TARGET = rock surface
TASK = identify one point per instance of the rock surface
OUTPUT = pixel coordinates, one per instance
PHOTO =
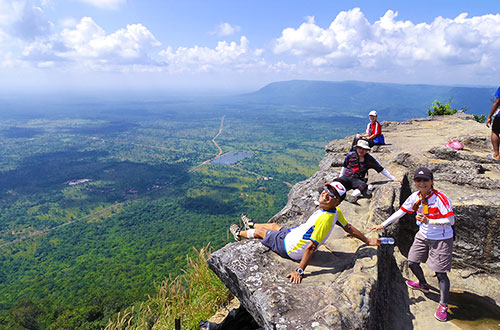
(349, 285)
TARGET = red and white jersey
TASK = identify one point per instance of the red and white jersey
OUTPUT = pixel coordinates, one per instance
(440, 215)
(374, 128)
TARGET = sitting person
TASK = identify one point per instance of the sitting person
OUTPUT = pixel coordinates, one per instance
(299, 243)
(373, 133)
(356, 165)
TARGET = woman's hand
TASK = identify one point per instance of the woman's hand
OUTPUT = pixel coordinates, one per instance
(422, 218)
(377, 227)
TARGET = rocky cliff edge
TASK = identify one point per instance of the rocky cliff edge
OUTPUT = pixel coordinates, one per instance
(349, 285)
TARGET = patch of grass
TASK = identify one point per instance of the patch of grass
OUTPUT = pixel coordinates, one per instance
(193, 296)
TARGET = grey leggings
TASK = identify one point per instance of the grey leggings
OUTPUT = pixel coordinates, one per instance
(443, 281)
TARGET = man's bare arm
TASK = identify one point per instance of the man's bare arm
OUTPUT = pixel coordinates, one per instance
(294, 276)
(359, 235)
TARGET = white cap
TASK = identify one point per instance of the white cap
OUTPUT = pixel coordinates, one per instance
(339, 187)
(373, 113)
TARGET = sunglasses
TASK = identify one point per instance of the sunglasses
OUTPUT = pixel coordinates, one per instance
(330, 193)
(421, 180)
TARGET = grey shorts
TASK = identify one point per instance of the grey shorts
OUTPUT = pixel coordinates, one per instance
(437, 253)
(275, 240)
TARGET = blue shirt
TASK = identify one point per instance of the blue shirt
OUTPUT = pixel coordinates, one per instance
(497, 95)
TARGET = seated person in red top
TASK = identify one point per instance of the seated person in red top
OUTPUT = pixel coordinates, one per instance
(373, 132)
(356, 165)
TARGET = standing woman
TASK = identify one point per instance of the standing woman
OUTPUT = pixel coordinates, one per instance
(433, 242)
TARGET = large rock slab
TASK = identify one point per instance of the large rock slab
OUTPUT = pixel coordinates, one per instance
(350, 285)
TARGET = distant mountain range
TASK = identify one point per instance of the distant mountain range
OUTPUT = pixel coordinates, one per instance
(392, 101)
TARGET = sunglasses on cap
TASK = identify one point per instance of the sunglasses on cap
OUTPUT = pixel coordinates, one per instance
(421, 180)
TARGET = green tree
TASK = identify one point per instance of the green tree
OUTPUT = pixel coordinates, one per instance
(480, 119)
(25, 315)
(440, 109)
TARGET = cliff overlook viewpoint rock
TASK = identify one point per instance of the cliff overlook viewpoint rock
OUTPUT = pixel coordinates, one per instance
(349, 285)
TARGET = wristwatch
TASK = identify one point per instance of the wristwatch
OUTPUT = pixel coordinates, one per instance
(300, 271)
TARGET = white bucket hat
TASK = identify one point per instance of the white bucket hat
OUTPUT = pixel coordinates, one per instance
(363, 144)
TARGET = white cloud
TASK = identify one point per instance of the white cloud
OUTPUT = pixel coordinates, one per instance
(85, 46)
(447, 50)
(105, 4)
(88, 43)
(352, 42)
(226, 29)
(8, 60)
(23, 19)
(282, 66)
(225, 56)
(68, 22)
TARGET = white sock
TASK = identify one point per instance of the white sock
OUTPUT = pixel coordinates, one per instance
(370, 187)
(356, 193)
(250, 233)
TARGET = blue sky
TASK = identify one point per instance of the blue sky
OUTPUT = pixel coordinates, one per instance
(236, 45)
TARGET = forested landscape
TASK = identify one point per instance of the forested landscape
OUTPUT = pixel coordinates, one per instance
(98, 204)
(100, 201)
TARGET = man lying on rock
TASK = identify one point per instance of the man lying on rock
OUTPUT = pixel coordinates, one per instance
(353, 172)
(299, 243)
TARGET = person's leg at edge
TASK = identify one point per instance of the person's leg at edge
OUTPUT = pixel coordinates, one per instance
(444, 287)
(418, 272)
(495, 140)
(260, 230)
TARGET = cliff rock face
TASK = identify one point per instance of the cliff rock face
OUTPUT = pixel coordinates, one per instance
(349, 285)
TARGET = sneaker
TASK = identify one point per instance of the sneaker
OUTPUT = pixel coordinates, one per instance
(416, 286)
(442, 313)
(368, 193)
(370, 188)
(352, 199)
(247, 222)
(235, 230)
